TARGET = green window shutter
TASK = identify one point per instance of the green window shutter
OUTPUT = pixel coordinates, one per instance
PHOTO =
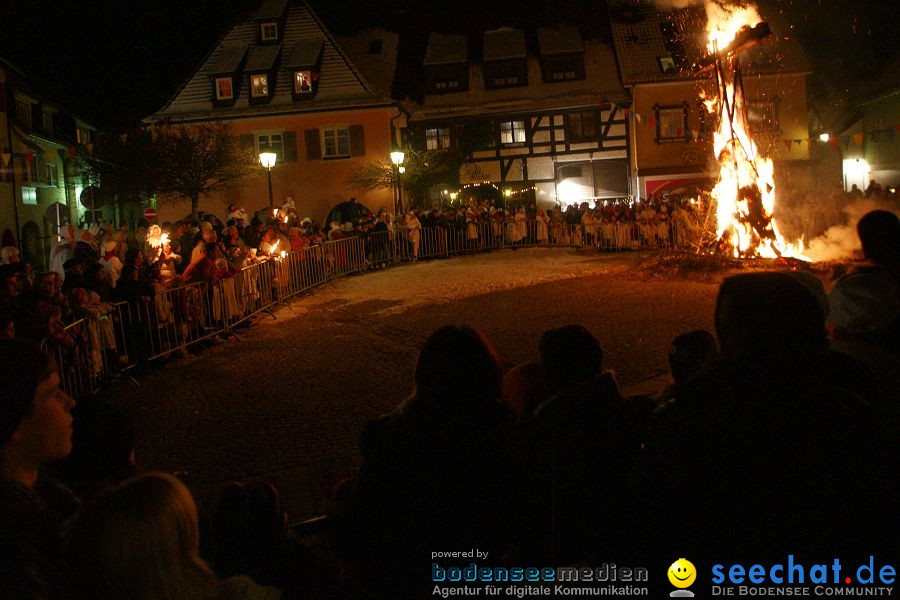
(357, 141)
(313, 147)
(290, 146)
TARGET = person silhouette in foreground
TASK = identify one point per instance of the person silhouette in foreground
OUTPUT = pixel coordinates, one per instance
(577, 453)
(35, 428)
(775, 442)
(434, 471)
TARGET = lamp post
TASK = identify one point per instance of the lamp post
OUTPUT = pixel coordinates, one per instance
(267, 160)
(397, 157)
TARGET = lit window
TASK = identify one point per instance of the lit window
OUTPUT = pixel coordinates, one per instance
(84, 135)
(223, 88)
(270, 142)
(23, 112)
(259, 85)
(446, 85)
(437, 139)
(302, 82)
(670, 122)
(503, 81)
(336, 142)
(512, 132)
(268, 32)
(29, 196)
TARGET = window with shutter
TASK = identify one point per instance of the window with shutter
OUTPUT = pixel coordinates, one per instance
(289, 140)
(357, 141)
(313, 145)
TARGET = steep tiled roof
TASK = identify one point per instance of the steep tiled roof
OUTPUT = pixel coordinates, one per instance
(229, 59)
(601, 83)
(270, 9)
(563, 39)
(639, 39)
(340, 83)
(445, 49)
(501, 44)
(374, 52)
(262, 58)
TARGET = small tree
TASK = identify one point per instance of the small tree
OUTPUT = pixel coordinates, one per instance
(192, 160)
(423, 169)
(125, 166)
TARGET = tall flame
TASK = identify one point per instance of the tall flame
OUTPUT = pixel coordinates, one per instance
(745, 192)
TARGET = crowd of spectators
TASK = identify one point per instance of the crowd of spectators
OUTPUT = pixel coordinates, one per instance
(776, 437)
(92, 269)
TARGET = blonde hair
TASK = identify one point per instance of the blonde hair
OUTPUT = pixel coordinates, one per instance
(140, 541)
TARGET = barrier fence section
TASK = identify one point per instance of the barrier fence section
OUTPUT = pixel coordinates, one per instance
(97, 348)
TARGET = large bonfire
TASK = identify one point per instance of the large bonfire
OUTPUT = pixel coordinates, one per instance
(745, 192)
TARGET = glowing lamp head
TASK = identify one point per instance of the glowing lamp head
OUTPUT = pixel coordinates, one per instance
(397, 157)
(267, 159)
(824, 137)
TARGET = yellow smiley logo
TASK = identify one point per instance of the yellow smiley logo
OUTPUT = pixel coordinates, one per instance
(682, 573)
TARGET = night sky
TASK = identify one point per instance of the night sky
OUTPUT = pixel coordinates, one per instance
(116, 61)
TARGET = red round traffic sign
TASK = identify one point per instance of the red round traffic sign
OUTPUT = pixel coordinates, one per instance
(150, 214)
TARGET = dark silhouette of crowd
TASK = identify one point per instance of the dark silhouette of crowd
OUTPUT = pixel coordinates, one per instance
(776, 437)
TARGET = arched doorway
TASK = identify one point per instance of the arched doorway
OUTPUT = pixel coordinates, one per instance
(346, 211)
(32, 246)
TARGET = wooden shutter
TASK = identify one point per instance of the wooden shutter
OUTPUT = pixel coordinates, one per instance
(289, 139)
(357, 141)
(313, 146)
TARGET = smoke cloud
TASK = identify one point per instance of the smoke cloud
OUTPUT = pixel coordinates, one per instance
(841, 241)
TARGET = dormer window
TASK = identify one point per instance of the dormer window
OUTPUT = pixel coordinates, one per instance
(270, 18)
(259, 86)
(505, 58)
(224, 88)
(304, 62)
(562, 53)
(268, 32)
(224, 74)
(446, 63)
(303, 82)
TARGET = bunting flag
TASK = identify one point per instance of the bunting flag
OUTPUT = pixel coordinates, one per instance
(799, 142)
(679, 132)
(29, 156)
(71, 151)
(652, 122)
(51, 155)
(833, 142)
(787, 144)
(6, 159)
(61, 153)
(858, 139)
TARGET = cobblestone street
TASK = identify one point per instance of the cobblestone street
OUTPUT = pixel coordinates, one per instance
(286, 400)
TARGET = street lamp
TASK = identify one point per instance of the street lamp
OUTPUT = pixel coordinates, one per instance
(397, 157)
(267, 160)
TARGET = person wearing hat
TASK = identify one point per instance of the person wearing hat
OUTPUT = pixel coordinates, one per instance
(74, 277)
(35, 428)
(111, 262)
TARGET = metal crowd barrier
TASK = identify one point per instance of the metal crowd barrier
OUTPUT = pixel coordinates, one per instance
(136, 332)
